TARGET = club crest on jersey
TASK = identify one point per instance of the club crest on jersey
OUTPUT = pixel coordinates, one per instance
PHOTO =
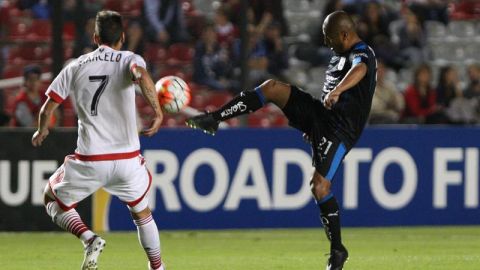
(341, 63)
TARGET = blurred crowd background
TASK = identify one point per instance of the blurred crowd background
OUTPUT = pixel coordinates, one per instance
(427, 50)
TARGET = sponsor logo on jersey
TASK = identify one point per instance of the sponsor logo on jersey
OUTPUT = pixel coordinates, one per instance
(341, 63)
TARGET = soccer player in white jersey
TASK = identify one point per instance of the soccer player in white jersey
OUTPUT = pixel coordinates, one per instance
(108, 147)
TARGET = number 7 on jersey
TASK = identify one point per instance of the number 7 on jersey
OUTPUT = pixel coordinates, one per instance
(103, 79)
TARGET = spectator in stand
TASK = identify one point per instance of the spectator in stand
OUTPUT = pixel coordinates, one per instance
(69, 10)
(4, 117)
(464, 10)
(226, 31)
(267, 11)
(134, 40)
(257, 60)
(411, 39)
(276, 53)
(166, 21)
(387, 103)
(212, 66)
(86, 43)
(420, 99)
(315, 52)
(232, 9)
(473, 87)
(430, 10)
(448, 87)
(40, 8)
(465, 110)
(29, 100)
(373, 28)
(457, 109)
(373, 24)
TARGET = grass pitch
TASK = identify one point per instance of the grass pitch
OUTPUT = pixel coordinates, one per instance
(424, 248)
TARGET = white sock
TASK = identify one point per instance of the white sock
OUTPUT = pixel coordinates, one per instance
(149, 239)
(69, 221)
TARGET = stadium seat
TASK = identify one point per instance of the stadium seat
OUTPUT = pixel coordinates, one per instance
(9, 94)
(17, 31)
(317, 75)
(40, 30)
(155, 53)
(435, 30)
(69, 31)
(28, 53)
(200, 96)
(217, 99)
(11, 71)
(174, 120)
(127, 8)
(462, 29)
(179, 54)
(173, 71)
(258, 120)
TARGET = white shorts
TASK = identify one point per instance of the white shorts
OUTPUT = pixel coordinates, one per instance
(128, 179)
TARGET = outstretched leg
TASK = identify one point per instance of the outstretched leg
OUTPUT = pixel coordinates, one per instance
(246, 102)
(148, 236)
(69, 220)
(330, 217)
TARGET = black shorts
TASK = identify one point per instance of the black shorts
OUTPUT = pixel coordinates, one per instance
(307, 114)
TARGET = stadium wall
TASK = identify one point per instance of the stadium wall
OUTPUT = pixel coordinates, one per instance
(259, 178)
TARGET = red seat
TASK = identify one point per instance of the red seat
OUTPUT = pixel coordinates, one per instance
(258, 120)
(155, 53)
(28, 53)
(40, 29)
(36, 30)
(173, 72)
(180, 53)
(68, 30)
(126, 7)
(218, 99)
(12, 71)
(17, 31)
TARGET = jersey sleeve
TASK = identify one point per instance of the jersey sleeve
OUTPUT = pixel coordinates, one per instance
(359, 56)
(59, 89)
(136, 60)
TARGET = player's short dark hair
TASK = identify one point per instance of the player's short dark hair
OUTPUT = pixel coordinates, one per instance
(108, 26)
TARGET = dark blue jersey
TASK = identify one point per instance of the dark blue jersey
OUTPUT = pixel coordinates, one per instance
(350, 114)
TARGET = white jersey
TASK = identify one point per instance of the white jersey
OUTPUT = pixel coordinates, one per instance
(103, 90)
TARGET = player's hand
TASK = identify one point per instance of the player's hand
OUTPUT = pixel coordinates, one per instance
(39, 136)
(154, 127)
(331, 99)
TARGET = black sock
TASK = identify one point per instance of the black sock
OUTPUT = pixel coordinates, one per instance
(245, 102)
(330, 217)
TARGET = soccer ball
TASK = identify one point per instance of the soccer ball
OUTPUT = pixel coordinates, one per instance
(173, 93)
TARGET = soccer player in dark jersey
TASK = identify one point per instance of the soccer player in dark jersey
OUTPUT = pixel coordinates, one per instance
(332, 123)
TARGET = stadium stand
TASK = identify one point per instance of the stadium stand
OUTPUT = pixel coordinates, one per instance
(453, 41)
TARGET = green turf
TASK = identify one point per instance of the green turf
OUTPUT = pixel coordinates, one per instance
(419, 248)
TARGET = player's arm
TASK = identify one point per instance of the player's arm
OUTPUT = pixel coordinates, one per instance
(148, 90)
(44, 116)
(352, 78)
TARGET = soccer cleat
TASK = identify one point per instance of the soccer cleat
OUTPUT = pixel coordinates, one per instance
(162, 267)
(337, 259)
(92, 251)
(204, 122)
